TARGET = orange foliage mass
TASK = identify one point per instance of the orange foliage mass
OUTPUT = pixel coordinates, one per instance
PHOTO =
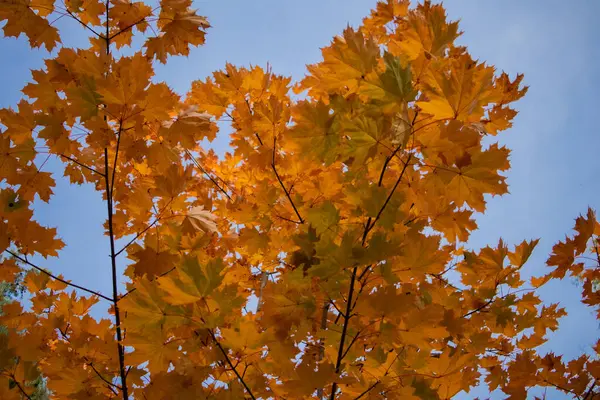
(311, 260)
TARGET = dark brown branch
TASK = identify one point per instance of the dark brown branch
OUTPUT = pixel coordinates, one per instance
(82, 23)
(387, 200)
(240, 378)
(400, 146)
(288, 219)
(109, 383)
(140, 233)
(106, 37)
(367, 391)
(362, 274)
(562, 388)
(113, 258)
(385, 164)
(351, 343)
(287, 193)
(114, 171)
(321, 354)
(159, 276)
(18, 257)
(490, 301)
(368, 227)
(336, 308)
(81, 165)
(20, 387)
(128, 27)
(346, 317)
(207, 174)
(590, 391)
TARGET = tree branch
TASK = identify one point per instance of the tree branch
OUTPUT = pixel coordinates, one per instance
(321, 354)
(351, 343)
(82, 23)
(370, 225)
(81, 165)
(212, 334)
(109, 383)
(109, 209)
(562, 388)
(159, 276)
(346, 317)
(114, 171)
(146, 229)
(128, 27)
(20, 387)
(281, 182)
(263, 282)
(23, 260)
(590, 391)
(490, 301)
(367, 391)
(207, 174)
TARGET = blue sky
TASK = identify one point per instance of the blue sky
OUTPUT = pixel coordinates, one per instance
(555, 139)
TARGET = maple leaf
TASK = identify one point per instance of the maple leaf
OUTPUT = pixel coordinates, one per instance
(21, 17)
(150, 262)
(476, 174)
(192, 281)
(458, 88)
(180, 28)
(199, 220)
(345, 62)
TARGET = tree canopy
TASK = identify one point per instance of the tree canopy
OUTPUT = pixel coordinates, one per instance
(323, 256)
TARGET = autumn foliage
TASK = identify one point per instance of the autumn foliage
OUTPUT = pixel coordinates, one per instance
(321, 257)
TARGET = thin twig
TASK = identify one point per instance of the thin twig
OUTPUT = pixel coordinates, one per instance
(351, 343)
(109, 383)
(128, 27)
(207, 174)
(281, 182)
(114, 171)
(490, 301)
(240, 378)
(287, 219)
(590, 391)
(18, 257)
(140, 233)
(20, 387)
(134, 289)
(562, 388)
(370, 226)
(82, 23)
(367, 391)
(81, 165)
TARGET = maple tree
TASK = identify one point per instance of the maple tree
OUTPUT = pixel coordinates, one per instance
(312, 260)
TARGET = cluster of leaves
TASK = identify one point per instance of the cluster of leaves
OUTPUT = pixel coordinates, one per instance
(313, 259)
